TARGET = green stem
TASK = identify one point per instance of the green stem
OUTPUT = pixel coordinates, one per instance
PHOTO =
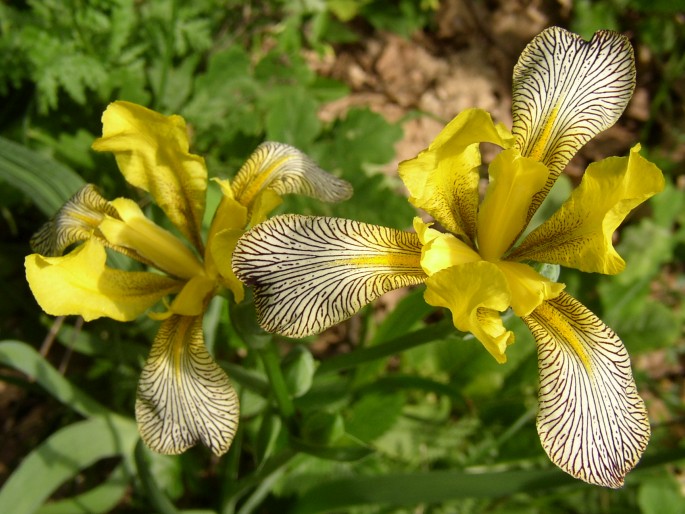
(272, 366)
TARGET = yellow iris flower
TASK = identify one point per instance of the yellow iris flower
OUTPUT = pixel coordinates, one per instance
(309, 273)
(183, 395)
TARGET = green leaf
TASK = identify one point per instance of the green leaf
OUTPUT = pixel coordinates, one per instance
(62, 456)
(24, 358)
(298, 370)
(660, 496)
(373, 415)
(100, 499)
(47, 182)
(292, 117)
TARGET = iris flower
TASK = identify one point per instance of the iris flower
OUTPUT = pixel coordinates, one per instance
(309, 273)
(183, 395)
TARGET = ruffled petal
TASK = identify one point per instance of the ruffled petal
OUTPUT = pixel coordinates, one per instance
(579, 235)
(153, 244)
(310, 273)
(80, 283)
(565, 92)
(476, 293)
(504, 212)
(283, 169)
(591, 421)
(441, 250)
(77, 220)
(443, 179)
(184, 397)
(152, 153)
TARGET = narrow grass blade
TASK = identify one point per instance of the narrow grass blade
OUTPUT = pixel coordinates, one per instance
(44, 180)
(62, 456)
(24, 358)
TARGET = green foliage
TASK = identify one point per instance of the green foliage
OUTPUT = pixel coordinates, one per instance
(400, 414)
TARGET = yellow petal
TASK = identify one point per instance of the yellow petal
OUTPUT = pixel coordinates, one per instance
(441, 250)
(528, 288)
(154, 244)
(476, 293)
(565, 92)
(504, 212)
(193, 298)
(579, 234)
(283, 169)
(184, 397)
(152, 153)
(443, 179)
(591, 421)
(77, 220)
(310, 273)
(221, 248)
(80, 283)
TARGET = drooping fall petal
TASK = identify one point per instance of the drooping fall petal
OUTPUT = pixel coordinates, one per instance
(443, 179)
(80, 283)
(77, 220)
(309, 273)
(591, 421)
(184, 397)
(152, 153)
(579, 235)
(476, 293)
(283, 169)
(565, 92)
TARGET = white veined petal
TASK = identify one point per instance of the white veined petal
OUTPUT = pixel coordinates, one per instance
(285, 170)
(310, 273)
(184, 397)
(566, 91)
(591, 421)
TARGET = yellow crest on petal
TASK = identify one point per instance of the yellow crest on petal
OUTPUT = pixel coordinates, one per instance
(565, 92)
(184, 397)
(152, 153)
(81, 283)
(282, 169)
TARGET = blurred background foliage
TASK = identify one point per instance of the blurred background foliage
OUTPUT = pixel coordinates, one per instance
(393, 411)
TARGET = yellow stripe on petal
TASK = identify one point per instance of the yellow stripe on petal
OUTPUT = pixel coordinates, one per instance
(80, 283)
(77, 220)
(184, 397)
(284, 169)
(152, 153)
(565, 92)
(476, 293)
(310, 273)
(579, 235)
(503, 214)
(443, 179)
(591, 421)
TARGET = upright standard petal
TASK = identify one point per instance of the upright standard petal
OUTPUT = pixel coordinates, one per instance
(476, 293)
(591, 421)
(77, 220)
(503, 214)
(579, 235)
(283, 169)
(152, 153)
(443, 179)
(80, 283)
(310, 273)
(565, 92)
(184, 397)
